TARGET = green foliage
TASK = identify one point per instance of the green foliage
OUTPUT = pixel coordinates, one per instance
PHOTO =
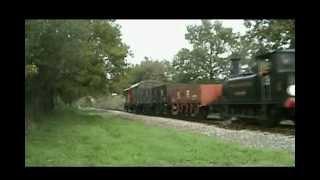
(148, 69)
(266, 35)
(98, 139)
(207, 60)
(73, 58)
(31, 70)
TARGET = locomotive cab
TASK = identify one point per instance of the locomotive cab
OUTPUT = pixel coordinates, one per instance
(278, 80)
(281, 69)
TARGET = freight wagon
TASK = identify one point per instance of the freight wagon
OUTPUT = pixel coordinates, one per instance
(139, 97)
(172, 99)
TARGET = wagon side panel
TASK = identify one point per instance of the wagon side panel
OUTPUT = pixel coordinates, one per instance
(210, 93)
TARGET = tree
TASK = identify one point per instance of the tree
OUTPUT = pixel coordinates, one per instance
(73, 58)
(207, 60)
(154, 69)
(264, 36)
(148, 69)
(267, 35)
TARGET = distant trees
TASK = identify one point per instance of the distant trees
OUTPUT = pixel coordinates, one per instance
(68, 59)
(148, 69)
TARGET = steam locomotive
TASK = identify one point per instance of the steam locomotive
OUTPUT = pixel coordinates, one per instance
(266, 94)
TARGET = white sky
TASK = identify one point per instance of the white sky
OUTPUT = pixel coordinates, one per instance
(161, 39)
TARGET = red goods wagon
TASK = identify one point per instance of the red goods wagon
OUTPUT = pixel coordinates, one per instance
(209, 93)
(183, 93)
(203, 94)
(189, 99)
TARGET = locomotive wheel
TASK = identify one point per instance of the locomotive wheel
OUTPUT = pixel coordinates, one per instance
(267, 122)
(224, 113)
(224, 116)
(270, 118)
(203, 113)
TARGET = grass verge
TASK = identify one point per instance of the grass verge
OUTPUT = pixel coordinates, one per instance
(74, 138)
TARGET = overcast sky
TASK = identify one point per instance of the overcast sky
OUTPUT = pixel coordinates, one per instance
(161, 39)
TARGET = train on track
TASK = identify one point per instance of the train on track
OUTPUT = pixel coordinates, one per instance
(266, 94)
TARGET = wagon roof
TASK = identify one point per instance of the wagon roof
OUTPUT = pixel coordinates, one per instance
(146, 83)
(132, 86)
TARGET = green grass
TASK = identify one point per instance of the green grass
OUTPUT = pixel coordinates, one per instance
(71, 138)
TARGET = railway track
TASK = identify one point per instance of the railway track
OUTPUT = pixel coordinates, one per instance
(242, 124)
(250, 125)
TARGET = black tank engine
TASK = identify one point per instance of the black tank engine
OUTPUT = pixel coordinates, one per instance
(266, 94)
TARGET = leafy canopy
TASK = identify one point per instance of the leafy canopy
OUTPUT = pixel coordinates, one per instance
(72, 58)
(207, 60)
(267, 35)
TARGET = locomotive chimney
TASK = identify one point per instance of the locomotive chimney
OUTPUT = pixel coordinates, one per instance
(235, 66)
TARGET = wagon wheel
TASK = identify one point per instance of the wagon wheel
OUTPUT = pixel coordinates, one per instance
(166, 110)
(174, 109)
(158, 109)
(194, 110)
(161, 109)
